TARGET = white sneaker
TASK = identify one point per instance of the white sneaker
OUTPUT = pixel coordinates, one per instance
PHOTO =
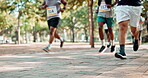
(46, 49)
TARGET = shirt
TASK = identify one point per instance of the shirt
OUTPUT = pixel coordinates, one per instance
(53, 5)
(130, 2)
(105, 14)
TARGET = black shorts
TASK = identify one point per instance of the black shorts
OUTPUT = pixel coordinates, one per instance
(106, 30)
(54, 22)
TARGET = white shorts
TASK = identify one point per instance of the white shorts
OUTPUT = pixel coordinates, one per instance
(131, 13)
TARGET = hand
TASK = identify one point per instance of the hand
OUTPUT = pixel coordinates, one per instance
(109, 6)
(61, 10)
(96, 11)
(44, 6)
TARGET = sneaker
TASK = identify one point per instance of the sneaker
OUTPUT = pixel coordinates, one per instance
(108, 45)
(61, 45)
(46, 49)
(102, 49)
(135, 45)
(118, 55)
(113, 48)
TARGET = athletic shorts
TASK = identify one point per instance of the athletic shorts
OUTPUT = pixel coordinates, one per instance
(54, 22)
(108, 21)
(131, 13)
(106, 30)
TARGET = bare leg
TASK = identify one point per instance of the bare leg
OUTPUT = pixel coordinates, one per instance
(122, 38)
(108, 36)
(103, 48)
(101, 30)
(56, 35)
(122, 32)
(111, 35)
(135, 32)
(52, 33)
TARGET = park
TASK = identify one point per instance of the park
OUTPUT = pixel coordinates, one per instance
(24, 32)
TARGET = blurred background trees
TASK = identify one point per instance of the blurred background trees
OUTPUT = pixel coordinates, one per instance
(23, 21)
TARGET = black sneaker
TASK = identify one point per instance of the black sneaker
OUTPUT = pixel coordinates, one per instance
(102, 49)
(118, 55)
(135, 45)
(61, 45)
(113, 48)
(108, 45)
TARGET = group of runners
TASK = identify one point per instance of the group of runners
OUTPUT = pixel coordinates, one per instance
(127, 12)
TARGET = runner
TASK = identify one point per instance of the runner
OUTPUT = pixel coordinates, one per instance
(140, 28)
(105, 16)
(128, 12)
(53, 19)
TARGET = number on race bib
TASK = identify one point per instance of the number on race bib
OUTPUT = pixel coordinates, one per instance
(51, 11)
(103, 7)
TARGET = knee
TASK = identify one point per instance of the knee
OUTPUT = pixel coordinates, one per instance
(110, 29)
(123, 28)
(100, 27)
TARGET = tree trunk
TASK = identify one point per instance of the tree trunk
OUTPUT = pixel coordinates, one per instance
(73, 35)
(34, 35)
(91, 22)
(86, 36)
(18, 29)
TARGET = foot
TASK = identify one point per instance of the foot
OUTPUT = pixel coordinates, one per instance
(113, 48)
(121, 56)
(61, 45)
(102, 49)
(135, 45)
(46, 49)
(108, 45)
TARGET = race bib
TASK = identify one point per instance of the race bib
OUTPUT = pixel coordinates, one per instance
(103, 7)
(51, 11)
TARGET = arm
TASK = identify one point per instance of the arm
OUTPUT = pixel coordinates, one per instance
(97, 10)
(65, 5)
(44, 5)
(109, 6)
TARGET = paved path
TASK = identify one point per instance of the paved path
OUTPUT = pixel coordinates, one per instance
(80, 62)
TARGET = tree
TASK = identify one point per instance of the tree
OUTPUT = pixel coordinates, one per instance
(90, 14)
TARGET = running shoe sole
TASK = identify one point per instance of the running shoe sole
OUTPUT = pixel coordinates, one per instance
(46, 50)
(120, 56)
(102, 50)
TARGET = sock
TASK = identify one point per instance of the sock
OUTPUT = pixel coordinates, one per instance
(49, 45)
(112, 42)
(108, 43)
(61, 39)
(122, 49)
(136, 41)
(103, 42)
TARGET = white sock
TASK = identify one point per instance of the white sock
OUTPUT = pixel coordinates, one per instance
(61, 39)
(108, 43)
(112, 42)
(49, 45)
(103, 42)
